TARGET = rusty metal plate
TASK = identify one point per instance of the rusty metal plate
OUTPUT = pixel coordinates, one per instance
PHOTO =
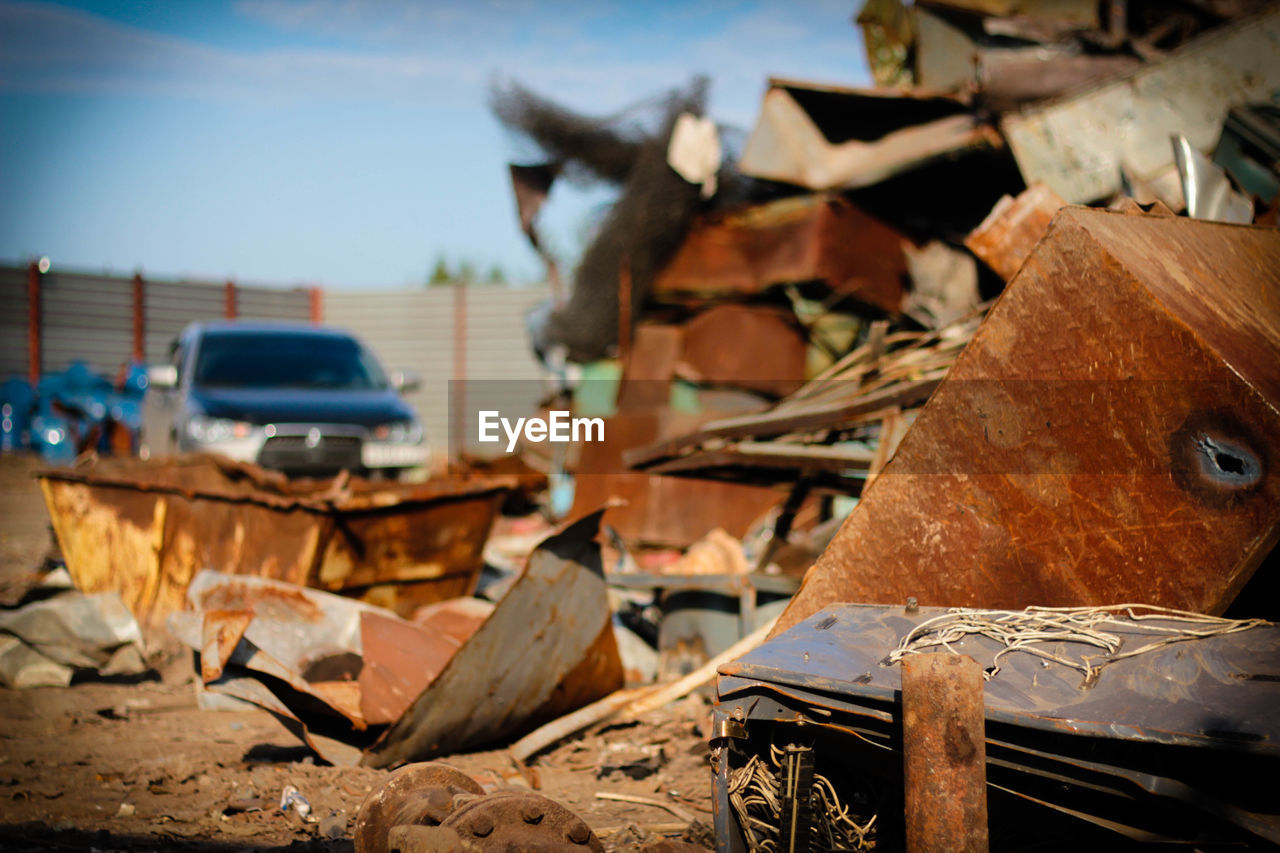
(774, 363)
(1109, 434)
(668, 511)
(221, 633)
(402, 658)
(546, 648)
(811, 238)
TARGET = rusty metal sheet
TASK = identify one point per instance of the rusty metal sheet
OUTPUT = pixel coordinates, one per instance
(774, 364)
(146, 528)
(669, 511)
(308, 639)
(810, 238)
(1109, 434)
(649, 367)
(221, 632)
(1083, 147)
(1012, 229)
(409, 554)
(401, 658)
(548, 644)
(335, 750)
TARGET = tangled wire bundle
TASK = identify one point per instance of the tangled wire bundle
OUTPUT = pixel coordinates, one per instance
(1100, 627)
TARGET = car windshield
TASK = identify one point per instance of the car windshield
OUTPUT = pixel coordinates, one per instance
(285, 360)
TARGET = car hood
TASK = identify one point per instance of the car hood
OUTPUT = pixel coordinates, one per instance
(301, 405)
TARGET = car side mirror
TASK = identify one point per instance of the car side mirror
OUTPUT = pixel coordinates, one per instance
(405, 381)
(162, 376)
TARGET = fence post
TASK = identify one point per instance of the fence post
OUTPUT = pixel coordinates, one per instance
(139, 318)
(229, 300)
(317, 305)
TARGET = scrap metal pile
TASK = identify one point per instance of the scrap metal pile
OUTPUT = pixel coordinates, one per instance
(1051, 429)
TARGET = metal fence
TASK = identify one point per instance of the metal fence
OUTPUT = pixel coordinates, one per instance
(107, 321)
(444, 334)
(448, 334)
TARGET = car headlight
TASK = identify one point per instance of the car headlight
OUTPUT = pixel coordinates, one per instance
(399, 432)
(207, 430)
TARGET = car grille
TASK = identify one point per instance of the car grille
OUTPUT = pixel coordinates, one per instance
(291, 454)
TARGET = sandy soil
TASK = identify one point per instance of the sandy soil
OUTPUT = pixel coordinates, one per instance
(138, 766)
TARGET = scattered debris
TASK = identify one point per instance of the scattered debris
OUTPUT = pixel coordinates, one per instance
(546, 648)
(810, 376)
(46, 642)
(292, 800)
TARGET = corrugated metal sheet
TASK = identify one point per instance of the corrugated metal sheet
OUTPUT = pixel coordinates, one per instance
(171, 305)
(13, 322)
(260, 303)
(414, 330)
(409, 330)
(89, 318)
(502, 373)
(86, 318)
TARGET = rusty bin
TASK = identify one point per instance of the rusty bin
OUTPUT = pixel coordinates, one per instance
(145, 528)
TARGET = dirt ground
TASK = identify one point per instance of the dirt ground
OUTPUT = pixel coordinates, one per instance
(138, 766)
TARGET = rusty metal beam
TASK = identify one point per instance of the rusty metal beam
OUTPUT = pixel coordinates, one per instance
(1110, 434)
(944, 754)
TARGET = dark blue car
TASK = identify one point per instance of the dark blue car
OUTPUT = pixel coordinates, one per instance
(306, 400)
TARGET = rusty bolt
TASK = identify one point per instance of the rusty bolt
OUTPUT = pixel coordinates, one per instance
(531, 812)
(579, 832)
(481, 825)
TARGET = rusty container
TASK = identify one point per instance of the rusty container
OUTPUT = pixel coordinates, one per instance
(144, 529)
(1110, 434)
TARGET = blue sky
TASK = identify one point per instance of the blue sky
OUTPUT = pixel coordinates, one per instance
(345, 143)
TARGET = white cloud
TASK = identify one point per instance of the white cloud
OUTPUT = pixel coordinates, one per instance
(441, 54)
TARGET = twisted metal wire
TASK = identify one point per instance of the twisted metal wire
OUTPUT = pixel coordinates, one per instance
(1101, 627)
(755, 795)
